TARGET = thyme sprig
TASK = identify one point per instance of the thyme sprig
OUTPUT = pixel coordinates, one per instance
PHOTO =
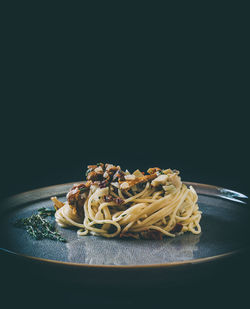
(38, 227)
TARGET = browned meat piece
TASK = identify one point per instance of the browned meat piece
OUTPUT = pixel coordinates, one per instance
(153, 170)
(152, 234)
(110, 171)
(107, 173)
(177, 228)
(102, 184)
(94, 176)
(129, 235)
(91, 167)
(110, 198)
(77, 195)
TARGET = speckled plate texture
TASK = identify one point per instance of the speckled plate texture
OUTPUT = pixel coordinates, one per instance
(224, 223)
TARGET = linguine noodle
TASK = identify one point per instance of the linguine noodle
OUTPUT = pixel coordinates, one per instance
(130, 205)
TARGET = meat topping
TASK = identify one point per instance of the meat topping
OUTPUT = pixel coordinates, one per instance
(103, 175)
(110, 198)
(129, 235)
(177, 228)
(152, 234)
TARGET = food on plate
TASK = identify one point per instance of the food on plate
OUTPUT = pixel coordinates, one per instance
(116, 203)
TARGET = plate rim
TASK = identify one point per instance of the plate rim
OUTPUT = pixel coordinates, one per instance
(215, 189)
(120, 267)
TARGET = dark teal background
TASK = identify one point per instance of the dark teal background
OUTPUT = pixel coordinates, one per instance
(137, 85)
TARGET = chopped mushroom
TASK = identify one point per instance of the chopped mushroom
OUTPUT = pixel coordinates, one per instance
(175, 180)
(98, 170)
(129, 177)
(130, 183)
(108, 166)
(160, 180)
(138, 173)
(57, 204)
(103, 175)
(124, 185)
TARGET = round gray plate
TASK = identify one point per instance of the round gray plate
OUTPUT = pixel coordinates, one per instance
(224, 223)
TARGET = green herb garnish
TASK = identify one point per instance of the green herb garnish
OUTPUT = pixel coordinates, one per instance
(38, 227)
(46, 212)
(82, 189)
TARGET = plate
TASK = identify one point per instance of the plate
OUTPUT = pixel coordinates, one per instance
(224, 223)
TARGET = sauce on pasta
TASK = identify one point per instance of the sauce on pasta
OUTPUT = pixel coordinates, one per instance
(115, 203)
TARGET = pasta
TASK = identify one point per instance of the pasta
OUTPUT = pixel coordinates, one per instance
(114, 203)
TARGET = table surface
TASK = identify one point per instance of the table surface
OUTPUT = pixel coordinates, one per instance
(225, 285)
